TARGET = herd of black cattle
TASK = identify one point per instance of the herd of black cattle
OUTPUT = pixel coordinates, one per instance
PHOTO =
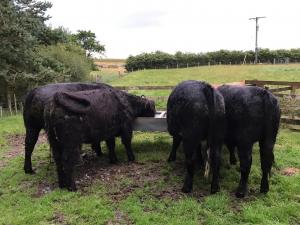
(77, 113)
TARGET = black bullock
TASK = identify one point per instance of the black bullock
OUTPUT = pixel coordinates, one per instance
(90, 116)
(253, 115)
(34, 106)
(196, 112)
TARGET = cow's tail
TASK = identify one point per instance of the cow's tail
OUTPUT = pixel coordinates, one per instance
(209, 93)
(211, 101)
(27, 105)
(271, 119)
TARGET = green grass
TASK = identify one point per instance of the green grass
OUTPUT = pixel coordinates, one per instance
(212, 74)
(105, 76)
(147, 192)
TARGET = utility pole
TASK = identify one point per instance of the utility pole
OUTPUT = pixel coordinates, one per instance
(256, 33)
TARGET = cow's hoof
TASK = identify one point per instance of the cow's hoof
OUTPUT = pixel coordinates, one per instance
(29, 171)
(73, 188)
(240, 193)
(171, 159)
(113, 161)
(62, 185)
(186, 189)
(264, 189)
(233, 161)
(215, 189)
(131, 159)
(99, 154)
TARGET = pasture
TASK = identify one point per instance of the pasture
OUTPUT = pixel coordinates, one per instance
(149, 190)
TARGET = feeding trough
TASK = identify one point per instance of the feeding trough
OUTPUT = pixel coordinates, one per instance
(151, 124)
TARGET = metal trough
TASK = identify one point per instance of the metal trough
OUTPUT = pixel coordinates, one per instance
(150, 124)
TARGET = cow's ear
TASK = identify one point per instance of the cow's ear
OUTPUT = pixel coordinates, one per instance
(72, 102)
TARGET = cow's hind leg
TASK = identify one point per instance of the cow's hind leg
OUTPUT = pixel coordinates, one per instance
(176, 142)
(232, 158)
(266, 160)
(245, 157)
(32, 135)
(215, 156)
(126, 137)
(111, 150)
(190, 148)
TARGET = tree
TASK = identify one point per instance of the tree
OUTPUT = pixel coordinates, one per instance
(87, 40)
(21, 22)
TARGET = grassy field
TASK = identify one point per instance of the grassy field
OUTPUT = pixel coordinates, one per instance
(145, 192)
(212, 74)
(148, 191)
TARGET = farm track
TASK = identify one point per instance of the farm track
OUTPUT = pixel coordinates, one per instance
(16, 147)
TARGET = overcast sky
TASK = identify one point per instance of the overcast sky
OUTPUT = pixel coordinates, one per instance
(134, 26)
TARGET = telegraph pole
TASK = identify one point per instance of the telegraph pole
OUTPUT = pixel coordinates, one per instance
(256, 33)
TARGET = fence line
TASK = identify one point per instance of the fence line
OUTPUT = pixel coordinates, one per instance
(198, 64)
(287, 86)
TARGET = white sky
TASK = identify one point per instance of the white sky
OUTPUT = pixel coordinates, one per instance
(135, 26)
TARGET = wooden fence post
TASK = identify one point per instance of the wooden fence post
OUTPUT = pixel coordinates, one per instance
(15, 103)
(293, 93)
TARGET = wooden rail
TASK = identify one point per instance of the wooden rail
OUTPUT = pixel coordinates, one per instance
(289, 86)
(127, 88)
(269, 82)
(288, 120)
(285, 86)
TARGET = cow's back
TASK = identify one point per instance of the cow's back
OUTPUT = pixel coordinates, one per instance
(37, 98)
(188, 109)
(106, 114)
(245, 111)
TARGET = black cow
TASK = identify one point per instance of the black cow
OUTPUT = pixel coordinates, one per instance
(34, 106)
(196, 112)
(252, 115)
(90, 116)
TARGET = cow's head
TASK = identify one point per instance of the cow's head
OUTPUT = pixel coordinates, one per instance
(147, 107)
(141, 106)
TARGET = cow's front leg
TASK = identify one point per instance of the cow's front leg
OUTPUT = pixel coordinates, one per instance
(111, 150)
(70, 157)
(69, 176)
(126, 137)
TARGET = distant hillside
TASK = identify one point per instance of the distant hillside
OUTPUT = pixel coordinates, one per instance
(212, 74)
(111, 63)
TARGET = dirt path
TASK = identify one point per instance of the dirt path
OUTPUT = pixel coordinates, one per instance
(16, 147)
